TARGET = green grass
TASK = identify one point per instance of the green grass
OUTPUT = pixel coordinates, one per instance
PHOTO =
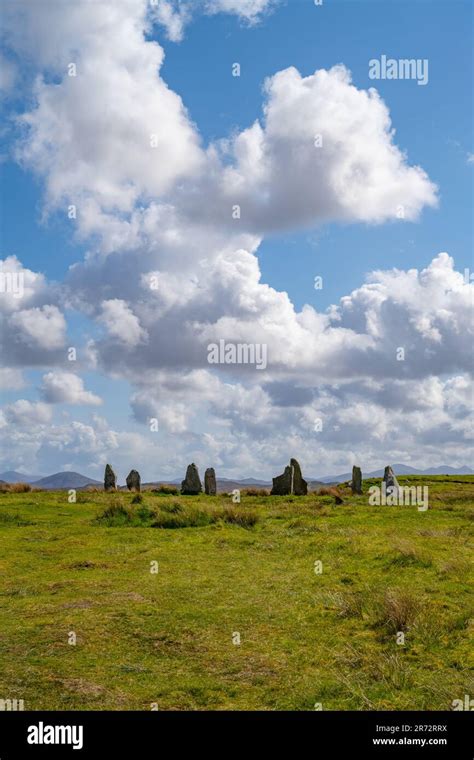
(167, 637)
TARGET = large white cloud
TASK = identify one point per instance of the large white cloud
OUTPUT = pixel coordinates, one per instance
(324, 151)
(67, 388)
(113, 131)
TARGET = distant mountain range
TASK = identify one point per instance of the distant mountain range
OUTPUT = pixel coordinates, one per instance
(66, 480)
(402, 469)
(12, 476)
(58, 481)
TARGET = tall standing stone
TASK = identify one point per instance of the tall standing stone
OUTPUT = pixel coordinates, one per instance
(299, 485)
(391, 483)
(191, 485)
(210, 486)
(290, 482)
(282, 484)
(356, 484)
(133, 481)
(110, 479)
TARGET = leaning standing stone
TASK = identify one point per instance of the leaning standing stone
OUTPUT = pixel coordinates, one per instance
(299, 485)
(356, 484)
(210, 482)
(391, 483)
(133, 480)
(110, 479)
(191, 485)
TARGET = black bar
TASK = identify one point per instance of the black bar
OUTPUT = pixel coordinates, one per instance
(151, 734)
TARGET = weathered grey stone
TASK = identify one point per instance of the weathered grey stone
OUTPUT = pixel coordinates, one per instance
(391, 483)
(356, 484)
(110, 479)
(299, 485)
(133, 480)
(191, 485)
(210, 486)
(291, 482)
(282, 484)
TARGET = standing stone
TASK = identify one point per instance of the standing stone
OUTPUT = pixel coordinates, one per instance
(110, 479)
(282, 484)
(291, 482)
(210, 486)
(299, 485)
(391, 483)
(133, 481)
(191, 485)
(356, 484)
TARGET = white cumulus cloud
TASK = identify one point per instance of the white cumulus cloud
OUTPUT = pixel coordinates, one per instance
(67, 388)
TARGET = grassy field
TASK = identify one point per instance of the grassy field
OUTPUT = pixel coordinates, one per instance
(167, 639)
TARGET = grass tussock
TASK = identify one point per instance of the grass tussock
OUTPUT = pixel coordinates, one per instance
(15, 488)
(195, 517)
(255, 492)
(246, 518)
(165, 490)
(348, 604)
(392, 670)
(192, 517)
(398, 610)
(119, 514)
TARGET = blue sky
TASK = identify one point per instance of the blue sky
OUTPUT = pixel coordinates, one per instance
(433, 130)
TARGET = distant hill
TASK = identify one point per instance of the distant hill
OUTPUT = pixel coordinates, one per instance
(65, 480)
(402, 469)
(315, 485)
(12, 476)
(253, 482)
